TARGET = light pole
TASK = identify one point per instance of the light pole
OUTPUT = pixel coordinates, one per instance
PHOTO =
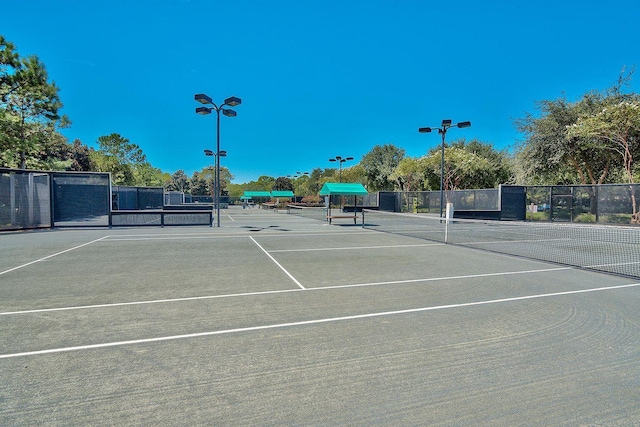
(295, 180)
(446, 124)
(231, 102)
(216, 171)
(340, 160)
(297, 175)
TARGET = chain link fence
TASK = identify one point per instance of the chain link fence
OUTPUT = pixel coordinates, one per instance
(603, 204)
(25, 200)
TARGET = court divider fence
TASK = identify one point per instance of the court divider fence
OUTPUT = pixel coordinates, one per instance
(44, 199)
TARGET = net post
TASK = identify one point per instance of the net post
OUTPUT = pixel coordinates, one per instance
(446, 231)
(448, 217)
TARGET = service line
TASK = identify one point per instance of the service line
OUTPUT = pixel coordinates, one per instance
(51, 256)
(349, 248)
(307, 322)
(282, 291)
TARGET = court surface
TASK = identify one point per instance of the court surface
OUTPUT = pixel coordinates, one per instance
(274, 319)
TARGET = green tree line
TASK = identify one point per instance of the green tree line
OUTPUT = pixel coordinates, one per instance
(592, 140)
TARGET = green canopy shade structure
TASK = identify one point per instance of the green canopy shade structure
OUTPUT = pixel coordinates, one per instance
(257, 194)
(343, 189)
(282, 194)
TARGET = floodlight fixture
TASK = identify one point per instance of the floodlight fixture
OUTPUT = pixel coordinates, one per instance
(446, 124)
(203, 111)
(233, 101)
(203, 99)
(340, 160)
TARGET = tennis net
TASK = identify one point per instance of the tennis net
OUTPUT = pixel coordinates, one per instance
(610, 249)
(319, 213)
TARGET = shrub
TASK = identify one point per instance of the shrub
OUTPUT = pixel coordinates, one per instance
(311, 200)
(585, 217)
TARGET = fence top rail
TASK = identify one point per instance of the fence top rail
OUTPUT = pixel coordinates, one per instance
(635, 184)
(160, 211)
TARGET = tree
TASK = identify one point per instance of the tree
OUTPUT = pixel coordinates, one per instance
(355, 173)
(301, 185)
(225, 179)
(410, 174)
(462, 169)
(379, 165)
(617, 129)
(199, 184)
(145, 175)
(81, 156)
(9, 63)
(235, 190)
(179, 181)
(497, 170)
(264, 183)
(29, 103)
(203, 183)
(126, 162)
(283, 184)
(116, 155)
(550, 155)
(56, 153)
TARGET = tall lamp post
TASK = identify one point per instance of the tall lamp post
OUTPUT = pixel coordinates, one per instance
(340, 160)
(294, 180)
(231, 102)
(442, 130)
(216, 181)
(298, 175)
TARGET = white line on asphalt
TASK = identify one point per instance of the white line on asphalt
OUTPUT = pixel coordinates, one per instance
(282, 291)
(357, 247)
(237, 235)
(51, 256)
(306, 322)
(277, 263)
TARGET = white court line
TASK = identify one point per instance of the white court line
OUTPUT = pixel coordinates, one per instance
(231, 218)
(51, 256)
(238, 234)
(357, 247)
(277, 263)
(282, 291)
(612, 264)
(176, 237)
(307, 322)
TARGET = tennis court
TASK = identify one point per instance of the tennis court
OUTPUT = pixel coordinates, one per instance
(277, 319)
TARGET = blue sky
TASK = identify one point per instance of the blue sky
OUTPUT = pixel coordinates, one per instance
(317, 78)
